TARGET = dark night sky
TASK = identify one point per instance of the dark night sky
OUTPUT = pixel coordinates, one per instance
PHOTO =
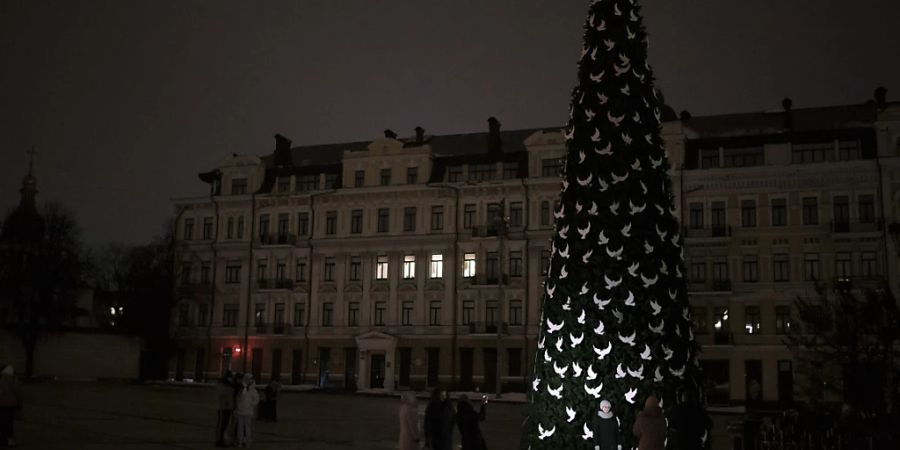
(126, 101)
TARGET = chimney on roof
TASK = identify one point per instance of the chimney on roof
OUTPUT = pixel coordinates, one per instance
(388, 133)
(495, 145)
(880, 96)
(787, 103)
(282, 151)
(420, 136)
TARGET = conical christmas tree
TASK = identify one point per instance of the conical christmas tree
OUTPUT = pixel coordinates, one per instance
(615, 320)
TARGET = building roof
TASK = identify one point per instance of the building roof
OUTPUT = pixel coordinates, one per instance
(773, 122)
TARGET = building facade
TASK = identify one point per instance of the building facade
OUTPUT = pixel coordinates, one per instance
(416, 262)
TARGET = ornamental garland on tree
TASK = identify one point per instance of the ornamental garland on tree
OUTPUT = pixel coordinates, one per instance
(615, 320)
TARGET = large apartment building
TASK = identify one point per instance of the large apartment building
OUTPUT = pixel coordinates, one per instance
(413, 262)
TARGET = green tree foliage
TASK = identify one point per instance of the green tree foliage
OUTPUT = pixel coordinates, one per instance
(615, 320)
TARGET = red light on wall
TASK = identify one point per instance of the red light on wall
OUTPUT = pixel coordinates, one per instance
(237, 349)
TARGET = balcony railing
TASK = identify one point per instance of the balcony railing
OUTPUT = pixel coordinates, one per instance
(275, 283)
(714, 231)
(278, 239)
(488, 328)
(847, 226)
(486, 280)
(487, 231)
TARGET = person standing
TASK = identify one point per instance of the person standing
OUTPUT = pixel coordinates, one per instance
(439, 421)
(273, 391)
(689, 422)
(467, 420)
(409, 421)
(246, 401)
(605, 426)
(650, 426)
(225, 398)
(10, 404)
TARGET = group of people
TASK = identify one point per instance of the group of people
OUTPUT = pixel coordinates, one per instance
(440, 419)
(237, 399)
(687, 421)
(10, 405)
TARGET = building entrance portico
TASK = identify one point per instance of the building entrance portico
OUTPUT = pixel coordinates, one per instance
(376, 360)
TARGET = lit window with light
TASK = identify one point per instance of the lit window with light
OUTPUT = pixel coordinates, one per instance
(437, 266)
(468, 265)
(409, 267)
(381, 267)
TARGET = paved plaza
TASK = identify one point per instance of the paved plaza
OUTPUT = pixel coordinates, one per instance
(94, 416)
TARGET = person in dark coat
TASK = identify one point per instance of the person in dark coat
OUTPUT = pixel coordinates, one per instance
(467, 421)
(605, 426)
(650, 426)
(439, 421)
(10, 405)
(225, 399)
(690, 423)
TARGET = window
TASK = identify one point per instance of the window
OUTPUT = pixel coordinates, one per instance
(406, 314)
(188, 229)
(811, 267)
(515, 312)
(494, 214)
(545, 213)
(207, 228)
(359, 178)
(279, 315)
(493, 267)
(381, 267)
(717, 217)
(409, 218)
(355, 268)
(436, 270)
(781, 268)
(203, 315)
(308, 183)
(841, 205)
(240, 227)
(782, 319)
(356, 221)
(866, 209)
(259, 314)
(698, 272)
(720, 271)
(205, 269)
(263, 225)
(184, 315)
(779, 212)
(701, 320)
(353, 314)
(229, 314)
(437, 218)
(385, 179)
(330, 180)
(744, 157)
(810, 211)
(695, 218)
(515, 214)
(434, 313)
(748, 213)
(515, 264)
(380, 310)
(412, 175)
(232, 273)
(384, 217)
(186, 273)
(468, 216)
(869, 266)
(551, 167)
(720, 320)
(750, 268)
(848, 150)
(468, 265)
(327, 314)
(545, 261)
(303, 224)
(283, 227)
(331, 222)
(409, 267)
(510, 170)
(262, 269)
(229, 234)
(490, 313)
(238, 186)
(481, 172)
(454, 174)
(328, 272)
(709, 158)
(842, 265)
(301, 269)
(299, 314)
(283, 184)
(751, 320)
(812, 152)
(468, 312)
(514, 358)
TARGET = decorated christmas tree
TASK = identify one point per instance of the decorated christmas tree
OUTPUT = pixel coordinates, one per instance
(615, 320)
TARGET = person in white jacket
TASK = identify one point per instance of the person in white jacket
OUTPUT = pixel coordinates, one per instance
(245, 403)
